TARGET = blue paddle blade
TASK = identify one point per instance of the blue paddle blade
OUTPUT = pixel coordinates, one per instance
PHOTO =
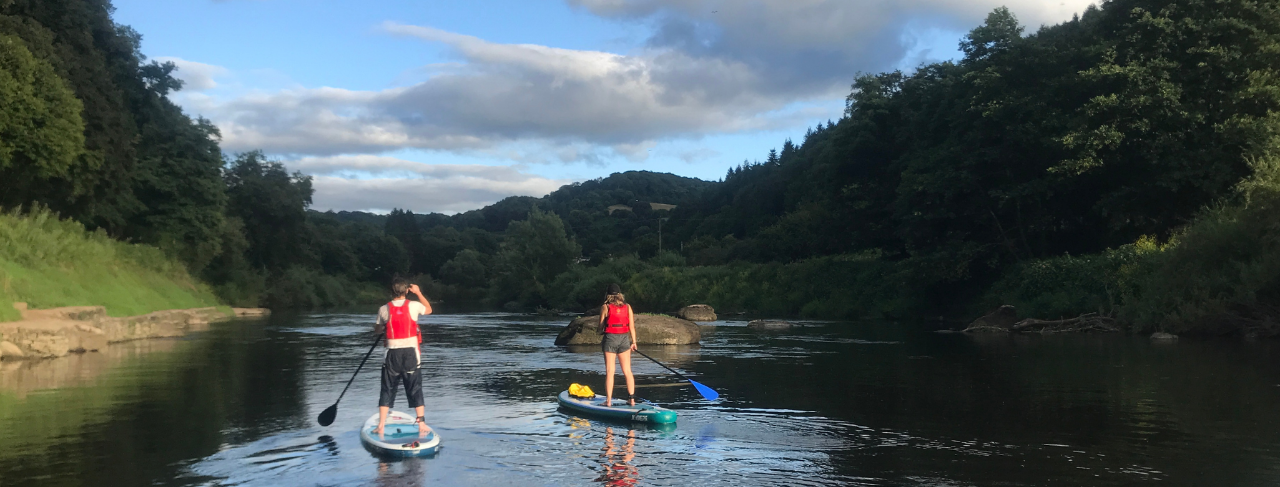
(707, 392)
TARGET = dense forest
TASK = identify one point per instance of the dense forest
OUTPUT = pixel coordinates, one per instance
(1122, 162)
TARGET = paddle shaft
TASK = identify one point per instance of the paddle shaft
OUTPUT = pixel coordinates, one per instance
(353, 376)
(664, 366)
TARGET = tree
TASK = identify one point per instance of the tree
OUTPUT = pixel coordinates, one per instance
(41, 133)
(534, 251)
(466, 269)
(272, 204)
(998, 33)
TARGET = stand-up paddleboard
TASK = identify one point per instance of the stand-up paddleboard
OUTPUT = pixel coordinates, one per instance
(643, 413)
(399, 437)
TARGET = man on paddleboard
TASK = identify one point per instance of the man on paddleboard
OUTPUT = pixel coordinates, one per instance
(400, 320)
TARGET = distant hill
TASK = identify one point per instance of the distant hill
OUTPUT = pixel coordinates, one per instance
(631, 188)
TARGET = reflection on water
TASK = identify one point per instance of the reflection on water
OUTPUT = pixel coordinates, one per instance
(409, 472)
(837, 403)
(617, 470)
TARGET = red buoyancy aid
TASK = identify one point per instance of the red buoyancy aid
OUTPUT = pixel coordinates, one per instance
(619, 320)
(401, 324)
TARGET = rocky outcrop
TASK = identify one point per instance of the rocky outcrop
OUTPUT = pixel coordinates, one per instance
(1000, 321)
(650, 330)
(8, 349)
(770, 324)
(697, 312)
(55, 332)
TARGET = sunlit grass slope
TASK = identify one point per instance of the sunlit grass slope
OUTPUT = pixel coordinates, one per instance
(48, 262)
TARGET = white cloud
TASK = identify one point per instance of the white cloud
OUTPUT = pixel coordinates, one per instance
(196, 76)
(710, 67)
(379, 183)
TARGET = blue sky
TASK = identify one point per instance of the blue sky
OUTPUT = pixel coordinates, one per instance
(449, 106)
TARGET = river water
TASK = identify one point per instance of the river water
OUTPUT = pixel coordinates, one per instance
(825, 404)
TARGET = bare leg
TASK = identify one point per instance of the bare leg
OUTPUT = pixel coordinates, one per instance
(423, 429)
(608, 378)
(624, 358)
(382, 419)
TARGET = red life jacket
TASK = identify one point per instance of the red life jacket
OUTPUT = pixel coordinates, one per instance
(401, 324)
(619, 320)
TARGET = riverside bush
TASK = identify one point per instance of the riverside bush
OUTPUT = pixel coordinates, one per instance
(1068, 286)
(49, 262)
(826, 287)
(1221, 273)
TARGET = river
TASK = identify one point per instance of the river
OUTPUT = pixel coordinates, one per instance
(831, 403)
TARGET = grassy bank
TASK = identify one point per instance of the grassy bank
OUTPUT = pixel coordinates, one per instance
(48, 262)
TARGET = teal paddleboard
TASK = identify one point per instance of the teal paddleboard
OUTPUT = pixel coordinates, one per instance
(640, 413)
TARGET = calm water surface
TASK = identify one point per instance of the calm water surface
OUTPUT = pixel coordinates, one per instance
(825, 404)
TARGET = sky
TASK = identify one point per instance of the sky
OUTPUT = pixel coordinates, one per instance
(448, 106)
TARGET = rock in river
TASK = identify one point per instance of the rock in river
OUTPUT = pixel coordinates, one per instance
(999, 320)
(697, 312)
(650, 330)
(770, 324)
(1160, 336)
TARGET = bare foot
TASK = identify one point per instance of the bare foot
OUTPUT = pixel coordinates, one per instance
(633, 402)
(608, 402)
(423, 429)
(378, 430)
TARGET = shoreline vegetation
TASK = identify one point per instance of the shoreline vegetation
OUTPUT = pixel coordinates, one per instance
(1123, 164)
(49, 262)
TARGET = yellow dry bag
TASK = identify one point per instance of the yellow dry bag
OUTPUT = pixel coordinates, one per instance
(579, 390)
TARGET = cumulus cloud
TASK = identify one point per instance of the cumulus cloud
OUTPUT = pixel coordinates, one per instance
(710, 67)
(195, 76)
(507, 93)
(379, 183)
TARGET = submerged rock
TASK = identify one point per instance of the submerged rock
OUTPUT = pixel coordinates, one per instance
(1000, 320)
(770, 324)
(697, 312)
(650, 330)
(1163, 337)
(251, 312)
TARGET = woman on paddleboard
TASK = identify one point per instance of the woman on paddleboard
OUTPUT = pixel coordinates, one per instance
(619, 325)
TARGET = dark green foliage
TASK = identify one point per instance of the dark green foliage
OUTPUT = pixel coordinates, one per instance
(1063, 287)
(302, 287)
(534, 252)
(827, 287)
(987, 176)
(272, 205)
(145, 171)
(467, 269)
(1221, 274)
(41, 133)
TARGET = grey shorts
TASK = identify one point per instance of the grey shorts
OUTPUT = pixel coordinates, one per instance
(616, 342)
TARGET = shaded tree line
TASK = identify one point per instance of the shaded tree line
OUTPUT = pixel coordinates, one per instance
(936, 188)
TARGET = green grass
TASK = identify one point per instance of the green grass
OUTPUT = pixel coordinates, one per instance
(48, 262)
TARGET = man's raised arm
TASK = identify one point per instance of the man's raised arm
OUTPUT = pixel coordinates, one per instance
(413, 288)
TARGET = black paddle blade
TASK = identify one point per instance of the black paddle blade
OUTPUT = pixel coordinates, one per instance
(326, 416)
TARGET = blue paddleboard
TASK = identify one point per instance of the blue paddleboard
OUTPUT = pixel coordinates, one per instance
(399, 437)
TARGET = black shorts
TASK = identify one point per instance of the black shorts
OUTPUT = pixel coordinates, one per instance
(401, 365)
